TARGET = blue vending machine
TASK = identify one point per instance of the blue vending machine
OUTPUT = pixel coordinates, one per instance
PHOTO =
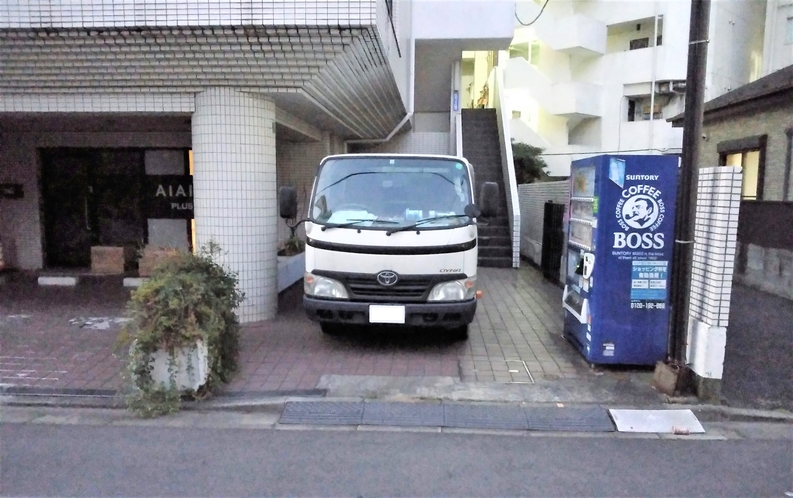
(620, 235)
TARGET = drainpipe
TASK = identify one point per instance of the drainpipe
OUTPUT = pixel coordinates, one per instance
(652, 84)
(412, 100)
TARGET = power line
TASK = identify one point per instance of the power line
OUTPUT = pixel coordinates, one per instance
(535, 19)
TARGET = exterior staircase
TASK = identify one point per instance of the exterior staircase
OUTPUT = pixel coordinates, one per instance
(482, 149)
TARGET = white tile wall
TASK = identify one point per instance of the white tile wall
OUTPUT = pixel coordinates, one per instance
(98, 13)
(343, 69)
(716, 230)
(532, 198)
(97, 102)
(235, 190)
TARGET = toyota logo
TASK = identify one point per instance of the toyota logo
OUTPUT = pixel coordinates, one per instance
(387, 278)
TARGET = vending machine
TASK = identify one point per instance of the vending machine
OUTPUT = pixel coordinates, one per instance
(620, 234)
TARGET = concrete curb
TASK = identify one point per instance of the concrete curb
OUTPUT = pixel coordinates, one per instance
(274, 401)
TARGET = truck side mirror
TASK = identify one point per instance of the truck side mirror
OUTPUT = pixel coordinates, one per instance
(488, 199)
(287, 202)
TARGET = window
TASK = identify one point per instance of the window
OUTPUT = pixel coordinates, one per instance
(749, 154)
(750, 162)
(659, 41)
(639, 43)
(789, 38)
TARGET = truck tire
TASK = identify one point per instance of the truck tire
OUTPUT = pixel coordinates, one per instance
(331, 328)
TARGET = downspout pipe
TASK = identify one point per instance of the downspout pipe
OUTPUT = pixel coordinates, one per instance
(652, 83)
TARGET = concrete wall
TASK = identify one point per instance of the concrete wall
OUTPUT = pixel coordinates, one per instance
(533, 197)
(777, 50)
(767, 269)
(771, 122)
(20, 220)
(414, 143)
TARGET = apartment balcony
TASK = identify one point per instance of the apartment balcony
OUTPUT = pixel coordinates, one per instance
(451, 21)
(577, 34)
(573, 100)
(656, 134)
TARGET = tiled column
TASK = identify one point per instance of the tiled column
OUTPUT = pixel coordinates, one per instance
(234, 187)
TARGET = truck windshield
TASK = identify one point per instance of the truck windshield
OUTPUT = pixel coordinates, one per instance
(383, 193)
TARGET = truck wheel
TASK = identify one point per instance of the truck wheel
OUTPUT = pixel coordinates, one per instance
(331, 328)
(459, 333)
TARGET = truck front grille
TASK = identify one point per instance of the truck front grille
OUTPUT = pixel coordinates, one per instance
(407, 288)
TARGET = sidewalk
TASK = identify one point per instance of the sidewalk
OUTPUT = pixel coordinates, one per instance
(60, 340)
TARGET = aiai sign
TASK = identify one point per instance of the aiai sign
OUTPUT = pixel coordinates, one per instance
(640, 212)
(170, 196)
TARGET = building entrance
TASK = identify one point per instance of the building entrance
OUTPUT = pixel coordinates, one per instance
(95, 197)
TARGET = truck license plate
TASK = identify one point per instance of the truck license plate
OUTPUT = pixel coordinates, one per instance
(386, 314)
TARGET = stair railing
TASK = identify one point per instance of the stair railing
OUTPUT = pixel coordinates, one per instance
(510, 182)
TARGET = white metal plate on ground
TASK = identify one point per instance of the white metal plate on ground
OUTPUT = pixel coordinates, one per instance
(657, 421)
(386, 314)
(58, 281)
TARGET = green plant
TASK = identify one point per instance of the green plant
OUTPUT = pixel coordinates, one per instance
(293, 245)
(529, 164)
(189, 297)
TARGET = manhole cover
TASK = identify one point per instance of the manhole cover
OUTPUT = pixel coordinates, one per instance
(322, 413)
(403, 414)
(585, 419)
(484, 416)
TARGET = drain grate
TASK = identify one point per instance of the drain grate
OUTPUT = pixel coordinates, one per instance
(484, 417)
(322, 413)
(403, 414)
(584, 419)
(519, 371)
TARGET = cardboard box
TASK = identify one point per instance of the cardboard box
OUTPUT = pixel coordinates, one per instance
(109, 260)
(152, 257)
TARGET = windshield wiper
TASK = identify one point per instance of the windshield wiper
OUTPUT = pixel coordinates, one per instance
(354, 222)
(425, 220)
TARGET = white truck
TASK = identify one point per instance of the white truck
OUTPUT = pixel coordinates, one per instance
(391, 239)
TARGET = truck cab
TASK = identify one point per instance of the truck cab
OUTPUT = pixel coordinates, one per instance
(391, 239)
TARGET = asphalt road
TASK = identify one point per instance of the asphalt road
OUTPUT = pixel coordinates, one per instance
(78, 460)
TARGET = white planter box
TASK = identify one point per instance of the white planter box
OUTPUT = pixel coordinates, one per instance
(290, 269)
(185, 378)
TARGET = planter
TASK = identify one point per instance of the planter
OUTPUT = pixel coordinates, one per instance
(191, 367)
(290, 270)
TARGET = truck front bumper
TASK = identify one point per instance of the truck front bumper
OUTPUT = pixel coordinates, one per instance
(447, 315)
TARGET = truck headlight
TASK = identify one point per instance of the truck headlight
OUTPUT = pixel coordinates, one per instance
(456, 290)
(314, 285)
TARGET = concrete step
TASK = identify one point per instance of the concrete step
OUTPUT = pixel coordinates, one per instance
(493, 240)
(495, 262)
(495, 251)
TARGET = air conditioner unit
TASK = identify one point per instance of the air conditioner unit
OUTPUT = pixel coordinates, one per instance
(663, 87)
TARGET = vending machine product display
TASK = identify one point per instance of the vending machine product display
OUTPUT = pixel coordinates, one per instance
(619, 242)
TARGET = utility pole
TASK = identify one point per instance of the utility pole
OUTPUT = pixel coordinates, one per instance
(687, 187)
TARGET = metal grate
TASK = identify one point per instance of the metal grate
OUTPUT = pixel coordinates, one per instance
(405, 288)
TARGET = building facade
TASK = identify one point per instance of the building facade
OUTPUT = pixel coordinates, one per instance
(603, 76)
(172, 123)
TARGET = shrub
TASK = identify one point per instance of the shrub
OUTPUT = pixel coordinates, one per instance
(189, 297)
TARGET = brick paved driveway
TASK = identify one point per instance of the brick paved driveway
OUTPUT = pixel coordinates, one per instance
(48, 340)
